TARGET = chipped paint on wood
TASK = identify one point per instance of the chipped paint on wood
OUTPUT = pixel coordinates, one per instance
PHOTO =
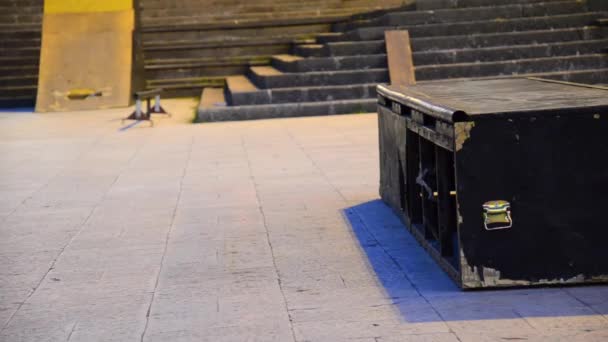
(462, 132)
(473, 277)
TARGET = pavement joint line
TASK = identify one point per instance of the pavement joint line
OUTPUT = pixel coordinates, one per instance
(71, 331)
(437, 312)
(518, 314)
(82, 226)
(167, 238)
(333, 186)
(587, 305)
(274, 263)
(51, 267)
(50, 180)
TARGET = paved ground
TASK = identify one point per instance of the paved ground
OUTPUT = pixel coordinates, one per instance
(251, 231)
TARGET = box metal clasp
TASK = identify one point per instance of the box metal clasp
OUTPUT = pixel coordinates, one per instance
(497, 215)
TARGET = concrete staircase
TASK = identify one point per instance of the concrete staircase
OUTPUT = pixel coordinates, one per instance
(20, 26)
(191, 44)
(338, 72)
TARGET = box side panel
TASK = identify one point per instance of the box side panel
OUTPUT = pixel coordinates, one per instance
(553, 172)
(392, 130)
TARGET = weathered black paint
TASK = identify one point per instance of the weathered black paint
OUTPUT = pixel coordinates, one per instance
(479, 139)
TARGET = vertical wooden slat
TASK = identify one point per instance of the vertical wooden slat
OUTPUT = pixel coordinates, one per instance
(412, 164)
(399, 55)
(427, 175)
(445, 184)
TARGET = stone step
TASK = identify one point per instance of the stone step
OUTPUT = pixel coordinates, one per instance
(510, 11)
(169, 72)
(9, 102)
(400, 6)
(260, 39)
(232, 5)
(18, 91)
(239, 89)
(223, 48)
(9, 43)
(475, 27)
(22, 3)
(512, 67)
(240, 84)
(367, 17)
(590, 76)
(202, 81)
(211, 98)
(269, 77)
(469, 55)
(185, 16)
(19, 27)
(240, 31)
(584, 76)
(18, 80)
(309, 50)
(168, 7)
(350, 48)
(196, 62)
(27, 53)
(264, 3)
(242, 24)
(443, 4)
(184, 87)
(505, 53)
(181, 90)
(244, 8)
(253, 96)
(286, 110)
(20, 10)
(290, 63)
(446, 57)
(19, 60)
(203, 67)
(16, 34)
(324, 37)
(18, 70)
(18, 18)
(183, 3)
(506, 38)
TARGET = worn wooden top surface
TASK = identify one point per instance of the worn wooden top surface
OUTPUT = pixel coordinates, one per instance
(499, 96)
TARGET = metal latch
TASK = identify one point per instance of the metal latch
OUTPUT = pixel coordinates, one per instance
(497, 215)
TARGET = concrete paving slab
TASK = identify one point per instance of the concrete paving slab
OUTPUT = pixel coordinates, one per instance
(248, 231)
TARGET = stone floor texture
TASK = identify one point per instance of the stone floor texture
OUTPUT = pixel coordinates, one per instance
(250, 231)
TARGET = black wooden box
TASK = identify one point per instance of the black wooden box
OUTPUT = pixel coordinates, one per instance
(504, 182)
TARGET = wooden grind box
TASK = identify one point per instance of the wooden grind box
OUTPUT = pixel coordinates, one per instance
(504, 182)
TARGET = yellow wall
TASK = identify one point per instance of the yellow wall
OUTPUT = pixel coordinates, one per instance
(86, 6)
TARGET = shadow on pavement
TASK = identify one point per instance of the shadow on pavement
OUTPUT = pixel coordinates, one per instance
(26, 110)
(422, 292)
